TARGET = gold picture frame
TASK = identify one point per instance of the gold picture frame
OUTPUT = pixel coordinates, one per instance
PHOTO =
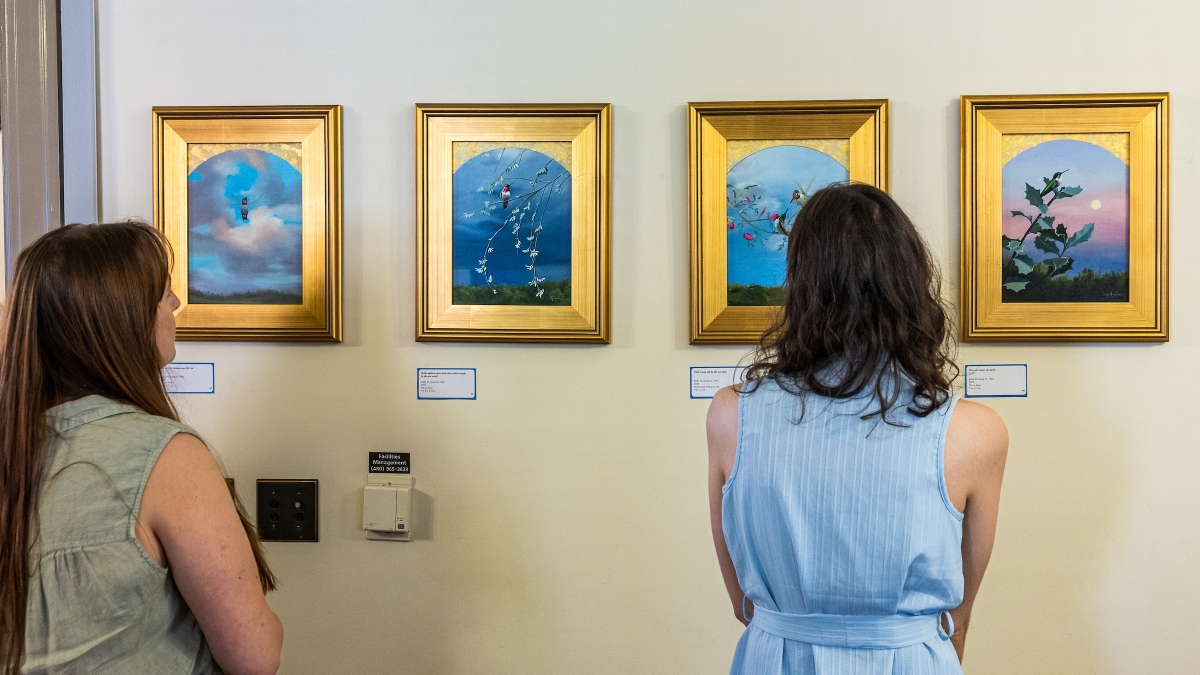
(852, 133)
(286, 242)
(1054, 294)
(564, 148)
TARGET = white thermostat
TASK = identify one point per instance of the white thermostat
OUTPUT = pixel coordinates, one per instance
(387, 506)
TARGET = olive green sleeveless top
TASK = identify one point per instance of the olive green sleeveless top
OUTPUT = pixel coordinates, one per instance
(97, 602)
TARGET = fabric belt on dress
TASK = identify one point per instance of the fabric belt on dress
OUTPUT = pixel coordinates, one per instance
(888, 631)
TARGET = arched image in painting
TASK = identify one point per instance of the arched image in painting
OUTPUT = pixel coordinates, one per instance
(765, 189)
(512, 223)
(1066, 218)
(245, 212)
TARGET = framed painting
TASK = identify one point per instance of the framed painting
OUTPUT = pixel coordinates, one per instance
(513, 223)
(1064, 218)
(752, 167)
(251, 200)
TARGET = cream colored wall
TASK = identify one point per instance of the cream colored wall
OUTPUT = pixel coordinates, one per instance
(566, 525)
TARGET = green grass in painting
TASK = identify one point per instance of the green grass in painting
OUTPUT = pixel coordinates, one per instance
(1087, 286)
(556, 293)
(753, 295)
(264, 297)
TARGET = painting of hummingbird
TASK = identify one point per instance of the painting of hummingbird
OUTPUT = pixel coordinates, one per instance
(245, 210)
(504, 193)
(800, 194)
(1052, 183)
(781, 223)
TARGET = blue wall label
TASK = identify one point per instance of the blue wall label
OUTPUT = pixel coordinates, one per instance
(707, 380)
(996, 380)
(189, 378)
(446, 384)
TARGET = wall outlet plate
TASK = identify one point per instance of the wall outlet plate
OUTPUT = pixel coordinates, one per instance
(287, 509)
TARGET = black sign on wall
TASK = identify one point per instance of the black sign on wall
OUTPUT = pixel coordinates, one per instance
(388, 462)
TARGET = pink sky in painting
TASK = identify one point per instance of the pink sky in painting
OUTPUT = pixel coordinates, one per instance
(1104, 179)
(1111, 219)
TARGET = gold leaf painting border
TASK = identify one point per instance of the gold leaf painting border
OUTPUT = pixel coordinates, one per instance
(836, 148)
(1014, 144)
(559, 151)
(198, 153)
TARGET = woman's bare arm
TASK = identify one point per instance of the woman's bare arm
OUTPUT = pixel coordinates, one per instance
(976, 448)
(722, 428)
(187, 520)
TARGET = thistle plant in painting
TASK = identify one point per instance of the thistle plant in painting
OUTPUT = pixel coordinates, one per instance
(1049, 237)
(1056, 247)
(1047, 280)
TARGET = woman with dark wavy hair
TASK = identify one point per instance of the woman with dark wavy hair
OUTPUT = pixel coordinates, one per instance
(853, 498)
(123, 549)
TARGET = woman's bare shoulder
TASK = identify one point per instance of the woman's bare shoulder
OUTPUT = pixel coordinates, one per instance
(979, 426)
(722, 429)
(975, 453)
(723, 411)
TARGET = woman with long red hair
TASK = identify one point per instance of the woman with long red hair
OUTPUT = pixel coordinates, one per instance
(123, 550)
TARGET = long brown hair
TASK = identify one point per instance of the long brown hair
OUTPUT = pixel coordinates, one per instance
(80, 320)
(863, 309)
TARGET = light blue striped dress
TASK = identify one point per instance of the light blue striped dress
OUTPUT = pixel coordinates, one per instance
(843, 537)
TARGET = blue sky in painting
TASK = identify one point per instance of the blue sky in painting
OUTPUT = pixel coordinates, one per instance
(229, 254)
(550, 199)
(777, 172)
(1104, 200)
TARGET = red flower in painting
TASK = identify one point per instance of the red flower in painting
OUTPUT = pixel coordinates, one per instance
(748, 237)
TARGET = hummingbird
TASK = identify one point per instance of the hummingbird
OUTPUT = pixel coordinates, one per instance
(504, 193)
(1052, 183)
(245, 210)
(781, 223)
(800, 195)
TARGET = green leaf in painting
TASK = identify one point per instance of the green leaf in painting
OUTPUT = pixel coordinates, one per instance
(1043, 223)
(1060, 233)
(1082, 235)
(1059, 265)
(1010, 243)
(1069, 191)
(1022, 214)
(1024, 263)
(1034, 197)
(1016, 286)
(1045, 243)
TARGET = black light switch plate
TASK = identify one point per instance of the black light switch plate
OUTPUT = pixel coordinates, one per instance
(287, 510)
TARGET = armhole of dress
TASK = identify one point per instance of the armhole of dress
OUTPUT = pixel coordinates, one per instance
(737, 450)
(941, 460)
(152, 460)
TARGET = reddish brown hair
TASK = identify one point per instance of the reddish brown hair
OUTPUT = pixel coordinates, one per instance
(80, 320)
